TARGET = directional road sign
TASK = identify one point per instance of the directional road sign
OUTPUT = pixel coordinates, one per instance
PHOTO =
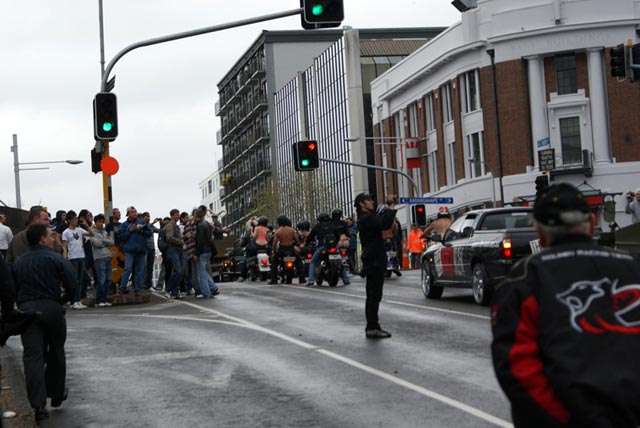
(444, 201)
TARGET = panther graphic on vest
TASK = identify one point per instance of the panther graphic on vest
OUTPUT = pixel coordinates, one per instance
(603, 306)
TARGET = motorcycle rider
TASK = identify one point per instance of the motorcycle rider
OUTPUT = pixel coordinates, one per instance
(323, 231)
(285, 239)
(440, 225)
(249, 243)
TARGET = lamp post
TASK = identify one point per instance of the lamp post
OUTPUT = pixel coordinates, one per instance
(493, 188)
(17, 169)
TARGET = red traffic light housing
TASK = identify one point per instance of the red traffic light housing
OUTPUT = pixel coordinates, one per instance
(419, 215)
(305, 155)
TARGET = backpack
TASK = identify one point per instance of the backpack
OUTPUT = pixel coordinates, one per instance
(162, 241)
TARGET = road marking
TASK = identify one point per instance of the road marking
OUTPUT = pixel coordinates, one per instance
(395, 302)
(353, 363)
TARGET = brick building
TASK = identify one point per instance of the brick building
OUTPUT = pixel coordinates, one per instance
(510, 80)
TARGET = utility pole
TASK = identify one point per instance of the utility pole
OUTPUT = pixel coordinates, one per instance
(16, 170)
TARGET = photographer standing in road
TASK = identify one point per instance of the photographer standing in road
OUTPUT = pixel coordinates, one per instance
(633, 206)
(374, 257)
(566, 325)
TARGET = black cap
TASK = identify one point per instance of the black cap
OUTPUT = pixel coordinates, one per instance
(361, 198)
(561, 205)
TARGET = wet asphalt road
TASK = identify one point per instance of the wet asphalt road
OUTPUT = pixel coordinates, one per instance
(264, 355)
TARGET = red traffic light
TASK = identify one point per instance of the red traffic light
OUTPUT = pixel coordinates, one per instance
(109, 165)
(311, 146)
(420, 209)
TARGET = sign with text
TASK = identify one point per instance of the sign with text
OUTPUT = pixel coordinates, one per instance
(443, 201)
(544, 142)
(547, 159)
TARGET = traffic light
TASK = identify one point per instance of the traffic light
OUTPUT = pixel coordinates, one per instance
(305, 155)
(542, 184)
(321, 13)
(419, 215)
(105, 116)
(96, 157)
(634, 61)
(618, 61)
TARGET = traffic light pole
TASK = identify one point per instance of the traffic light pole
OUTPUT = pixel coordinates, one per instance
(106, 179)
(380, 168)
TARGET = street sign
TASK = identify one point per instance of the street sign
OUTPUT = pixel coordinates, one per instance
(443, 201)
(547, 159)
(544, 142)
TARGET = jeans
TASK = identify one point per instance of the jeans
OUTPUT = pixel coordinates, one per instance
(206, 282)
(176, 260)
(194, 275)
(416, 258)
(133, 262)
(78, 269)
(148, 270)
(102, 271)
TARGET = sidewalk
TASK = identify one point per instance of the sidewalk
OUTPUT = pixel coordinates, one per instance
(14, 392)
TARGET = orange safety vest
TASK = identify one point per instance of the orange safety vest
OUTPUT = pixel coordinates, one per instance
(414, 241)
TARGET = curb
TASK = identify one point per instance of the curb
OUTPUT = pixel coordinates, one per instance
(14, 391)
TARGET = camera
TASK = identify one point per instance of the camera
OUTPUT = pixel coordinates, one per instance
(139, 226)
(630, 195)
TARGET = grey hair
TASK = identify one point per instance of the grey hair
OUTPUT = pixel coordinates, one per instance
(551, 233)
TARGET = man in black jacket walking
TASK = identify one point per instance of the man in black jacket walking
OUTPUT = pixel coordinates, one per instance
(566, 325)
(38, 276)
(374, 257)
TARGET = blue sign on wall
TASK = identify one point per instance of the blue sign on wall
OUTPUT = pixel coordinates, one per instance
(544, 142)
(443, 201)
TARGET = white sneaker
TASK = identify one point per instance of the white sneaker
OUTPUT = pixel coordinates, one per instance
(78, 305)
(104, 305)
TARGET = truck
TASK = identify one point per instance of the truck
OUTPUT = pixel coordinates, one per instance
(477, 251)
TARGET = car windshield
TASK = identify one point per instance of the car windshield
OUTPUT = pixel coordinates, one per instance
(507, 220)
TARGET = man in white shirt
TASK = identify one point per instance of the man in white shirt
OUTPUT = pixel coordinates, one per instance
(73, 250)
(5, 236)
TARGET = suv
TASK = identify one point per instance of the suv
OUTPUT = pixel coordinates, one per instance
(477, 251)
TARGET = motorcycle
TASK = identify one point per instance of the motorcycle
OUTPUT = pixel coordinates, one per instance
(330, 265)
(259, 265)
(393, 263)
(287, 267)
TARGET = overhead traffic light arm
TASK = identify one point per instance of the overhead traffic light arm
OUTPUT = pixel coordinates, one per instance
(191, 33)
(379, 168)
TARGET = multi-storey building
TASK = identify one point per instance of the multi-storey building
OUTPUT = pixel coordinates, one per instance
(505, 85)
(209, 187)
(330, 101)
(245, 108)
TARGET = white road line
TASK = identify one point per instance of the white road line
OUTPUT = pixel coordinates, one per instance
(353, 363)
(395, 302)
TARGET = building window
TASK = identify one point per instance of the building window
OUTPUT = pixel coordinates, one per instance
(471, 92)
(566, 74)
(210, 189)
(447, 108)
(430, 111)
(476, 154)
(450, 155)
(570, 140)
(432, 165)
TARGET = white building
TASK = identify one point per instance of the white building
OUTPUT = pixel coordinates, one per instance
(514, 78)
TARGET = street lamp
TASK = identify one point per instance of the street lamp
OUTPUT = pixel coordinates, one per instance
(493, 188)
(17, 169)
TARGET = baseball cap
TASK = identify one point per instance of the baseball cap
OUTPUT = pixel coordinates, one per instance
(361, 198)
(561, 205)
(131, 208)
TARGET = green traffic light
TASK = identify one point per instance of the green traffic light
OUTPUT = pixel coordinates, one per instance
(304, 162)
(107, 126)
(317, 9)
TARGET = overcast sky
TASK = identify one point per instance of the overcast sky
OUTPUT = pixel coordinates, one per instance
(50, 72)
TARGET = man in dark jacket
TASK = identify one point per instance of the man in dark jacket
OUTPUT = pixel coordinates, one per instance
(133, 234)
(566, 325)
(203, 249)
(374, 257)
(39, 275)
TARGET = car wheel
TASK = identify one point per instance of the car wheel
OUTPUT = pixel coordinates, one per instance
(480, 285)
(429, 290)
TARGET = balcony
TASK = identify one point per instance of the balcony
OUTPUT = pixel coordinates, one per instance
(254, 71)
(260, 169)
(247, 113)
